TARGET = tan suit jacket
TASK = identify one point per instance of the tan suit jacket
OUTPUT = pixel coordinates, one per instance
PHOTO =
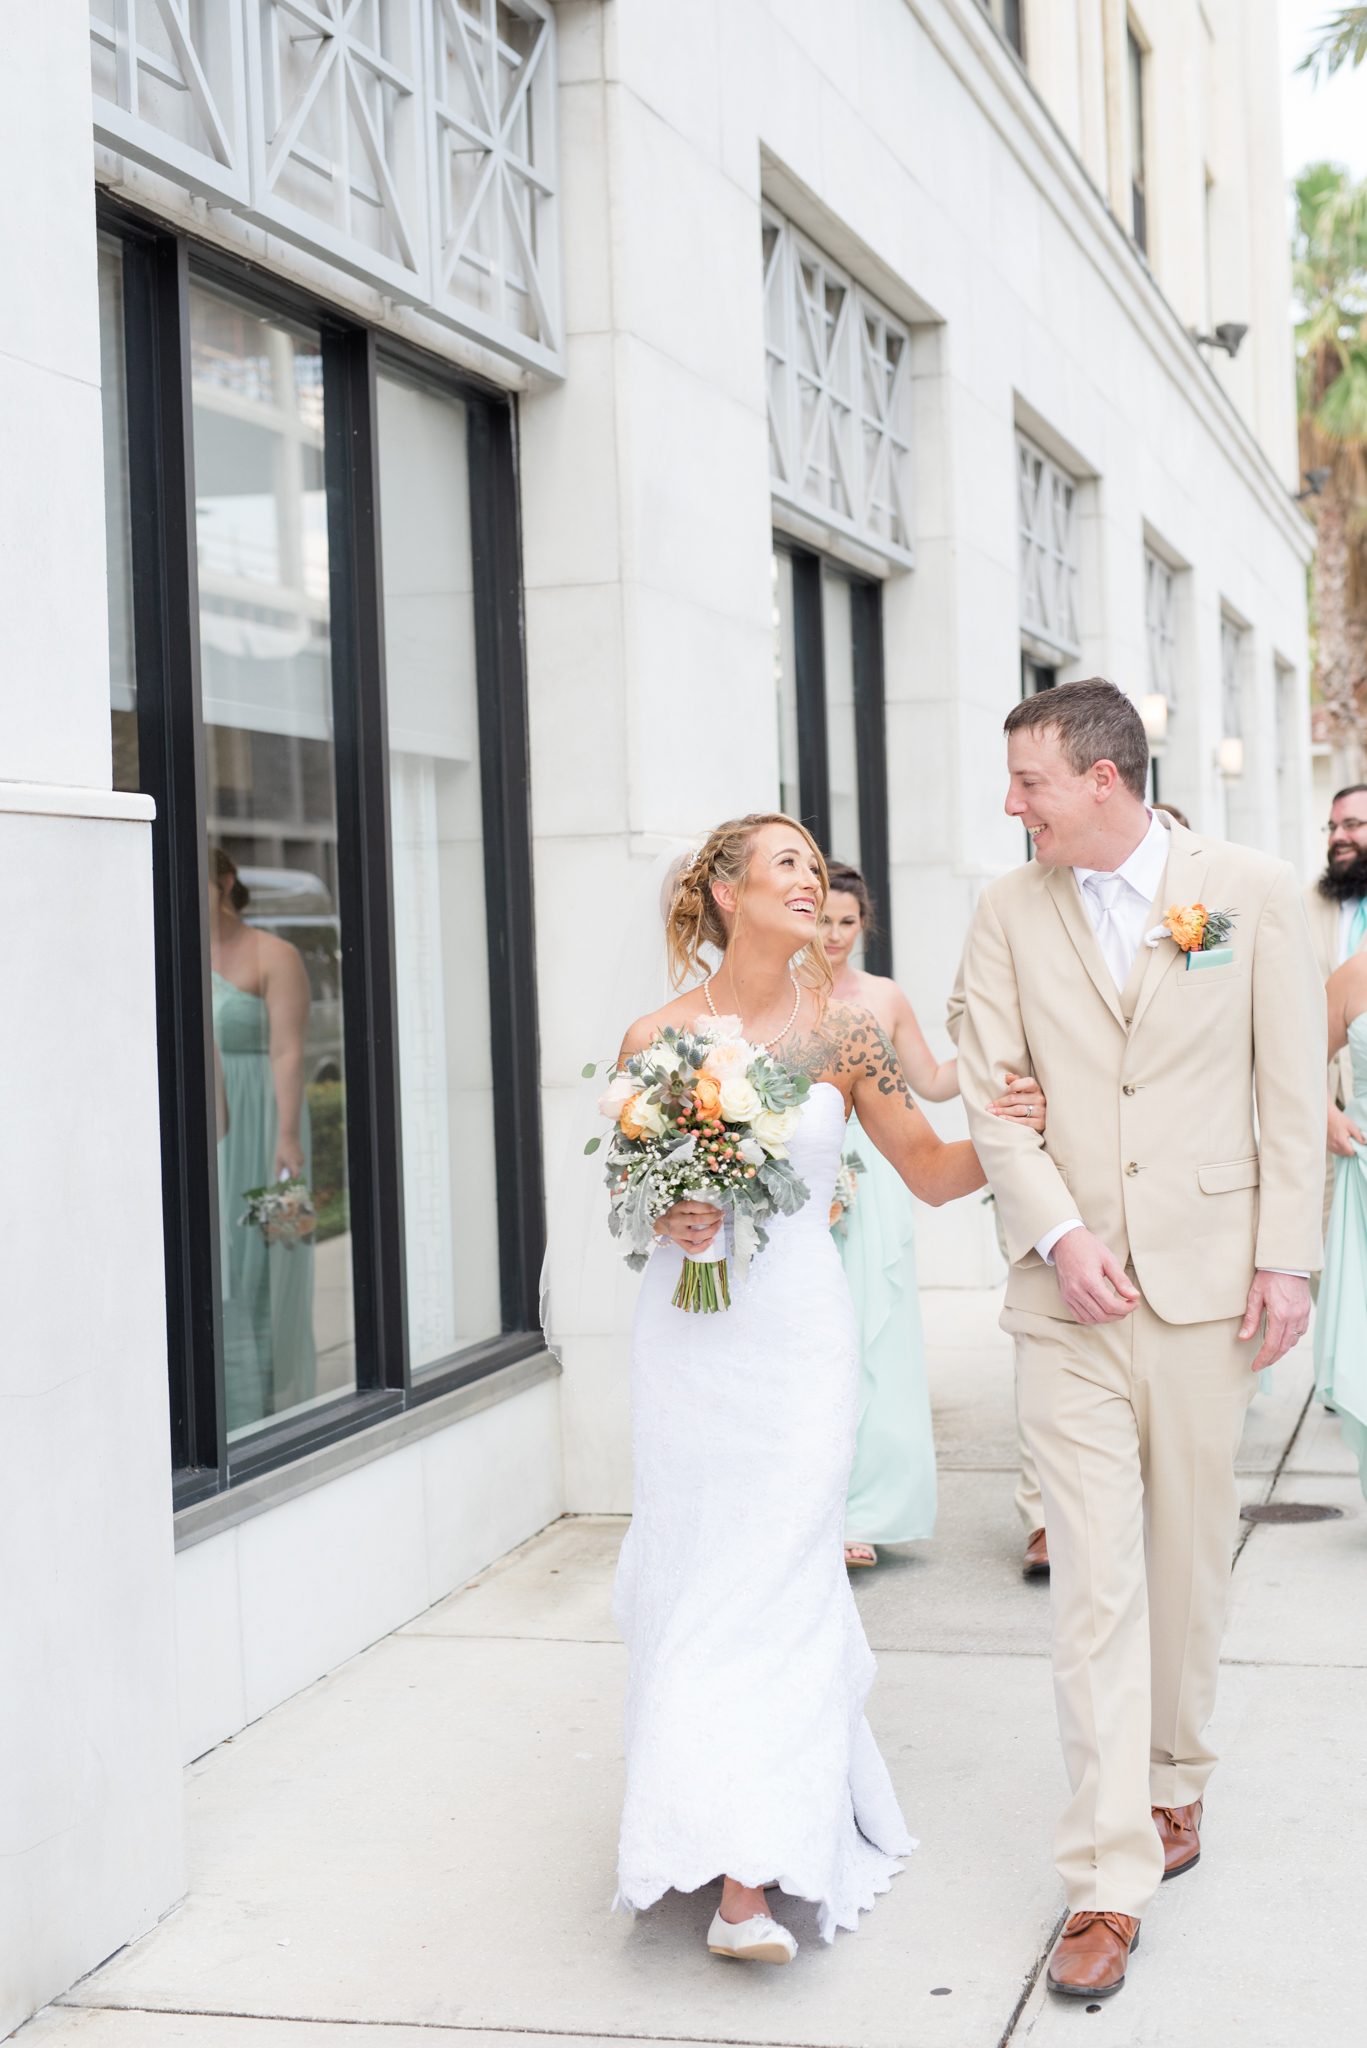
(1151, 1137)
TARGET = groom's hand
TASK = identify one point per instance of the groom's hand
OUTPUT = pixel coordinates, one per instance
(1092, 1280)
(1286, 1299)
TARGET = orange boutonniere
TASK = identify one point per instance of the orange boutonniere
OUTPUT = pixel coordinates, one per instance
(1194, 929)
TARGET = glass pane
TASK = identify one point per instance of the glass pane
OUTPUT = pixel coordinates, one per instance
(123, 696)
(837, 633)
(785, 684)
(446, 1094)
(275, 930)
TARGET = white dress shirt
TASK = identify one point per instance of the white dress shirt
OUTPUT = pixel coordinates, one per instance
(1118, 904)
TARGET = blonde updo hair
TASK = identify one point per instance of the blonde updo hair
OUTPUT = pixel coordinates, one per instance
(694, 918)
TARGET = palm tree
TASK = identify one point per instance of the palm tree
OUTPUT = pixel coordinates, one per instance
(1342, 40)
(1330, 271)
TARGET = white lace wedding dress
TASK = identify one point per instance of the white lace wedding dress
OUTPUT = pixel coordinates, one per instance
(747, 1749)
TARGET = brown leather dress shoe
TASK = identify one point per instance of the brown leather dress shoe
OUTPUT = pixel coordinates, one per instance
(1089, 1961)
(1036, 1564)
(1179, 1830)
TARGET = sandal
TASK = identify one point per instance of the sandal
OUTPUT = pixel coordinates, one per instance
(859, 1555)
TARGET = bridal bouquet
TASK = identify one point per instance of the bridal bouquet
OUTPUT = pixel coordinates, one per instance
(284, 1214)
(701, 1115)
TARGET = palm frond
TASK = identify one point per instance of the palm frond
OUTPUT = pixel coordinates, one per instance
(1340, 40)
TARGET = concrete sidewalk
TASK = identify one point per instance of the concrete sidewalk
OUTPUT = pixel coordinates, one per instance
(422, 1844)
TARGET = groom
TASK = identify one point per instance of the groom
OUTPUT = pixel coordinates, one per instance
(1153, 1233)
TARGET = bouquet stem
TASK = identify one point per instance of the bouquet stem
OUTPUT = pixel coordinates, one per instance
(703, 1288)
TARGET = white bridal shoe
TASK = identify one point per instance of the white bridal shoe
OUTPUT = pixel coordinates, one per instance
(758, 1940)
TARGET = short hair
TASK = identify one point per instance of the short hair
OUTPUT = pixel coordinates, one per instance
(1353, 789)
(1095, 722)
(1173, 812)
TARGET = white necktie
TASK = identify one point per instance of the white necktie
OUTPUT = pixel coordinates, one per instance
(1116, 950)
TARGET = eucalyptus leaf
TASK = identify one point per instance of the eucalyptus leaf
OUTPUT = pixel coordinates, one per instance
(592, 1146)
(590, 1070)
(787, 1189)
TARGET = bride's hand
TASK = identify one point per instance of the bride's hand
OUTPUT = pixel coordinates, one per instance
(692, 1225)
(1344, 1135)
(1023, 1102)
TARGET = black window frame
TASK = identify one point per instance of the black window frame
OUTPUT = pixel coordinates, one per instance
(157, 264)
(870, 724)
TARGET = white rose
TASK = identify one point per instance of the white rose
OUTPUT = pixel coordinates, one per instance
(774, 1127)
(651, 1119)
(618, 1091)
(739, 1101)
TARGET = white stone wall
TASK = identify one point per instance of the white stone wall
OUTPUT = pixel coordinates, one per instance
(902, 136)
(274, 1602)
(90, 1820)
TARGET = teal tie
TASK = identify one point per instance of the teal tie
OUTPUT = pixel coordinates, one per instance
(1357, 928)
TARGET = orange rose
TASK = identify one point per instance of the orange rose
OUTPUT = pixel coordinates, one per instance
(707, 1095)
(1188, 926)
(631, 1127)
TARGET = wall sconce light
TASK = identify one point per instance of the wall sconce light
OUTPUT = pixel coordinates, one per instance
(1227, 336)
(1154, 712)
(1231, 756)
(1317, 479)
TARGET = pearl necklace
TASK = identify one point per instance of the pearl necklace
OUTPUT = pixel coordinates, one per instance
(767, 1043)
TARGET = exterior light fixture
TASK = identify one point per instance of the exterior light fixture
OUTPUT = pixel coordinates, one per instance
(1154, 712)
(1230, 758)
(1316, 479)
(1227, 336)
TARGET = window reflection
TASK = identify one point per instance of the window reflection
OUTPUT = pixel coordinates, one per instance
(440, 938)
(274, 922)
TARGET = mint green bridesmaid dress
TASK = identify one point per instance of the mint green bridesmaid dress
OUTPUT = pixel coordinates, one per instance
(270, 1361)
(1341, 1313)
(892, 1484)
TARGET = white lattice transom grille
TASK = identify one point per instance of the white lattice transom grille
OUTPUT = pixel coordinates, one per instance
(1047, 516)
(169, 90)
(839, 384)
(491, 103)
(1160, 626)
(410, 142)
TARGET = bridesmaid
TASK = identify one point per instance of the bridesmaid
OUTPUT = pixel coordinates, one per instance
(1341, 1313)
(892, 1484)
(261, 1001)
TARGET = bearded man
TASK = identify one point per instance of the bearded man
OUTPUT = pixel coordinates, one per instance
(1154, 1229)
(1337, 907)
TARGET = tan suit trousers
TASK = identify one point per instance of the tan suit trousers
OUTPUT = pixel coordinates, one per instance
(1134, 1427)
(1029, 1501)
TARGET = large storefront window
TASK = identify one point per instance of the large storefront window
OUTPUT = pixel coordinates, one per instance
(828, 674)
(316, 671)
(440, 938)
(275, 934)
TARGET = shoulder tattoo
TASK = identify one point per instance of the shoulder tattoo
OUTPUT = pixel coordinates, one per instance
(848, 1045)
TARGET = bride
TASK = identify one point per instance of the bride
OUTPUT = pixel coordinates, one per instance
(748, 1754)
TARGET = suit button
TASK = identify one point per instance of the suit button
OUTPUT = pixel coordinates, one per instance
(1133, 1166)
(1128, 1088)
